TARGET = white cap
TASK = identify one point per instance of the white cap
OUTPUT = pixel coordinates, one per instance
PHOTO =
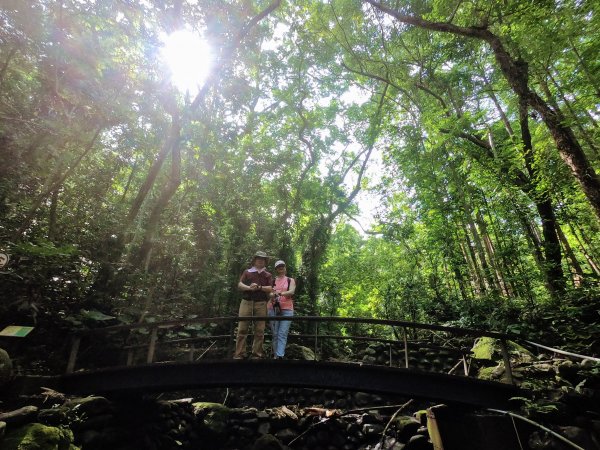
(279, 263)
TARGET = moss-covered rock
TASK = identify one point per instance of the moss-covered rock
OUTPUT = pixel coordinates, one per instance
(484, 348)
(488, 373)
(213, 417)
(489, 349)
(406, 426)
(295, 351)
(36, 436)
(421, 416)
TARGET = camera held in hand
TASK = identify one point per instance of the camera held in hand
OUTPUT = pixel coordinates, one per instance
(277, 306)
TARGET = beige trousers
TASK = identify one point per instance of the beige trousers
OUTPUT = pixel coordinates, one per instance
(249, 309)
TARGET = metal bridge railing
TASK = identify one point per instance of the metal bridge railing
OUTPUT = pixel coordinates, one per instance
(400, 330)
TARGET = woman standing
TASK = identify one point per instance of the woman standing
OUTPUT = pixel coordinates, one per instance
(281, 304)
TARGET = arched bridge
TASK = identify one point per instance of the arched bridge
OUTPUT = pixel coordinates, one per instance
(309, 374)
(196, 353)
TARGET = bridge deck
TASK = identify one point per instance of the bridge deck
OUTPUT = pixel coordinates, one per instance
(309, 374)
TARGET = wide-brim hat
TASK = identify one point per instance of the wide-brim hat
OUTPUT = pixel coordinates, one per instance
(260, 254)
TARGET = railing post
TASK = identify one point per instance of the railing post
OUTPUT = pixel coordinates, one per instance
(506, 358)
(73, 354)
(390, 349)
(152, 345)
(405, 347)
(316, 339)
(231, 344)
(192, 350)
(465, 365)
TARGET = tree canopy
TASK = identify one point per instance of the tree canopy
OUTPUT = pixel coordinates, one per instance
(470, 127)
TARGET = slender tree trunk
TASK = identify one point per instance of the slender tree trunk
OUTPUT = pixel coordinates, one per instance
(54, 186)
(129, 180)
(150, 180)
(471, 260)
(52, 215)
(167, 193)
(552, 253)
(577, 271)
(534, 239)
(4, 68)
(503, 116)
(583, 64)
(475, 284)
(582, 131)
(589, 257)
(551, 246)
(481, 256)
(308, 282)
(512, 289)
(491, 253)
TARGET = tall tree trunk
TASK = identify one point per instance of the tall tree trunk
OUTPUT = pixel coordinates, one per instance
(491, 253)
(317, 244)
(4, 68)
(167, 193)
(150, 178)
(533, 237)
(588, 256)
(552, 253)
(586, 69)
(60, 179)
(514, 290)
(474, 281)
(576, 272)
(574, 118)
(473, 264)
(52, 215)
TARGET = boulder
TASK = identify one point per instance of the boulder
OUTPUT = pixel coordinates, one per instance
(6, 367)
(213, 418)
(406, 427)
(418, 442)
(488, 349)
(295, 351)
(484, 349)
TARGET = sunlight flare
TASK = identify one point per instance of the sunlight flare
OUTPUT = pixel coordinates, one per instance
(189, 59)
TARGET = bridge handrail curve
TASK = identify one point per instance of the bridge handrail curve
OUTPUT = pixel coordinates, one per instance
(154, 327)
(561, 352)
(334, 319)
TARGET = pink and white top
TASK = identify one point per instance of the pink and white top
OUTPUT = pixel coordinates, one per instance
(281, 285)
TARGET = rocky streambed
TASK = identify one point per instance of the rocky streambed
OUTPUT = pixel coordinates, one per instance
(95, 422)
(564, 397)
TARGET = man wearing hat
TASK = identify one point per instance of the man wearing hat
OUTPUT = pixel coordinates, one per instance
(255, 285)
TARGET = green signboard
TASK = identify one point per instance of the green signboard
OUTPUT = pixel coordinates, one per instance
(16, 331)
